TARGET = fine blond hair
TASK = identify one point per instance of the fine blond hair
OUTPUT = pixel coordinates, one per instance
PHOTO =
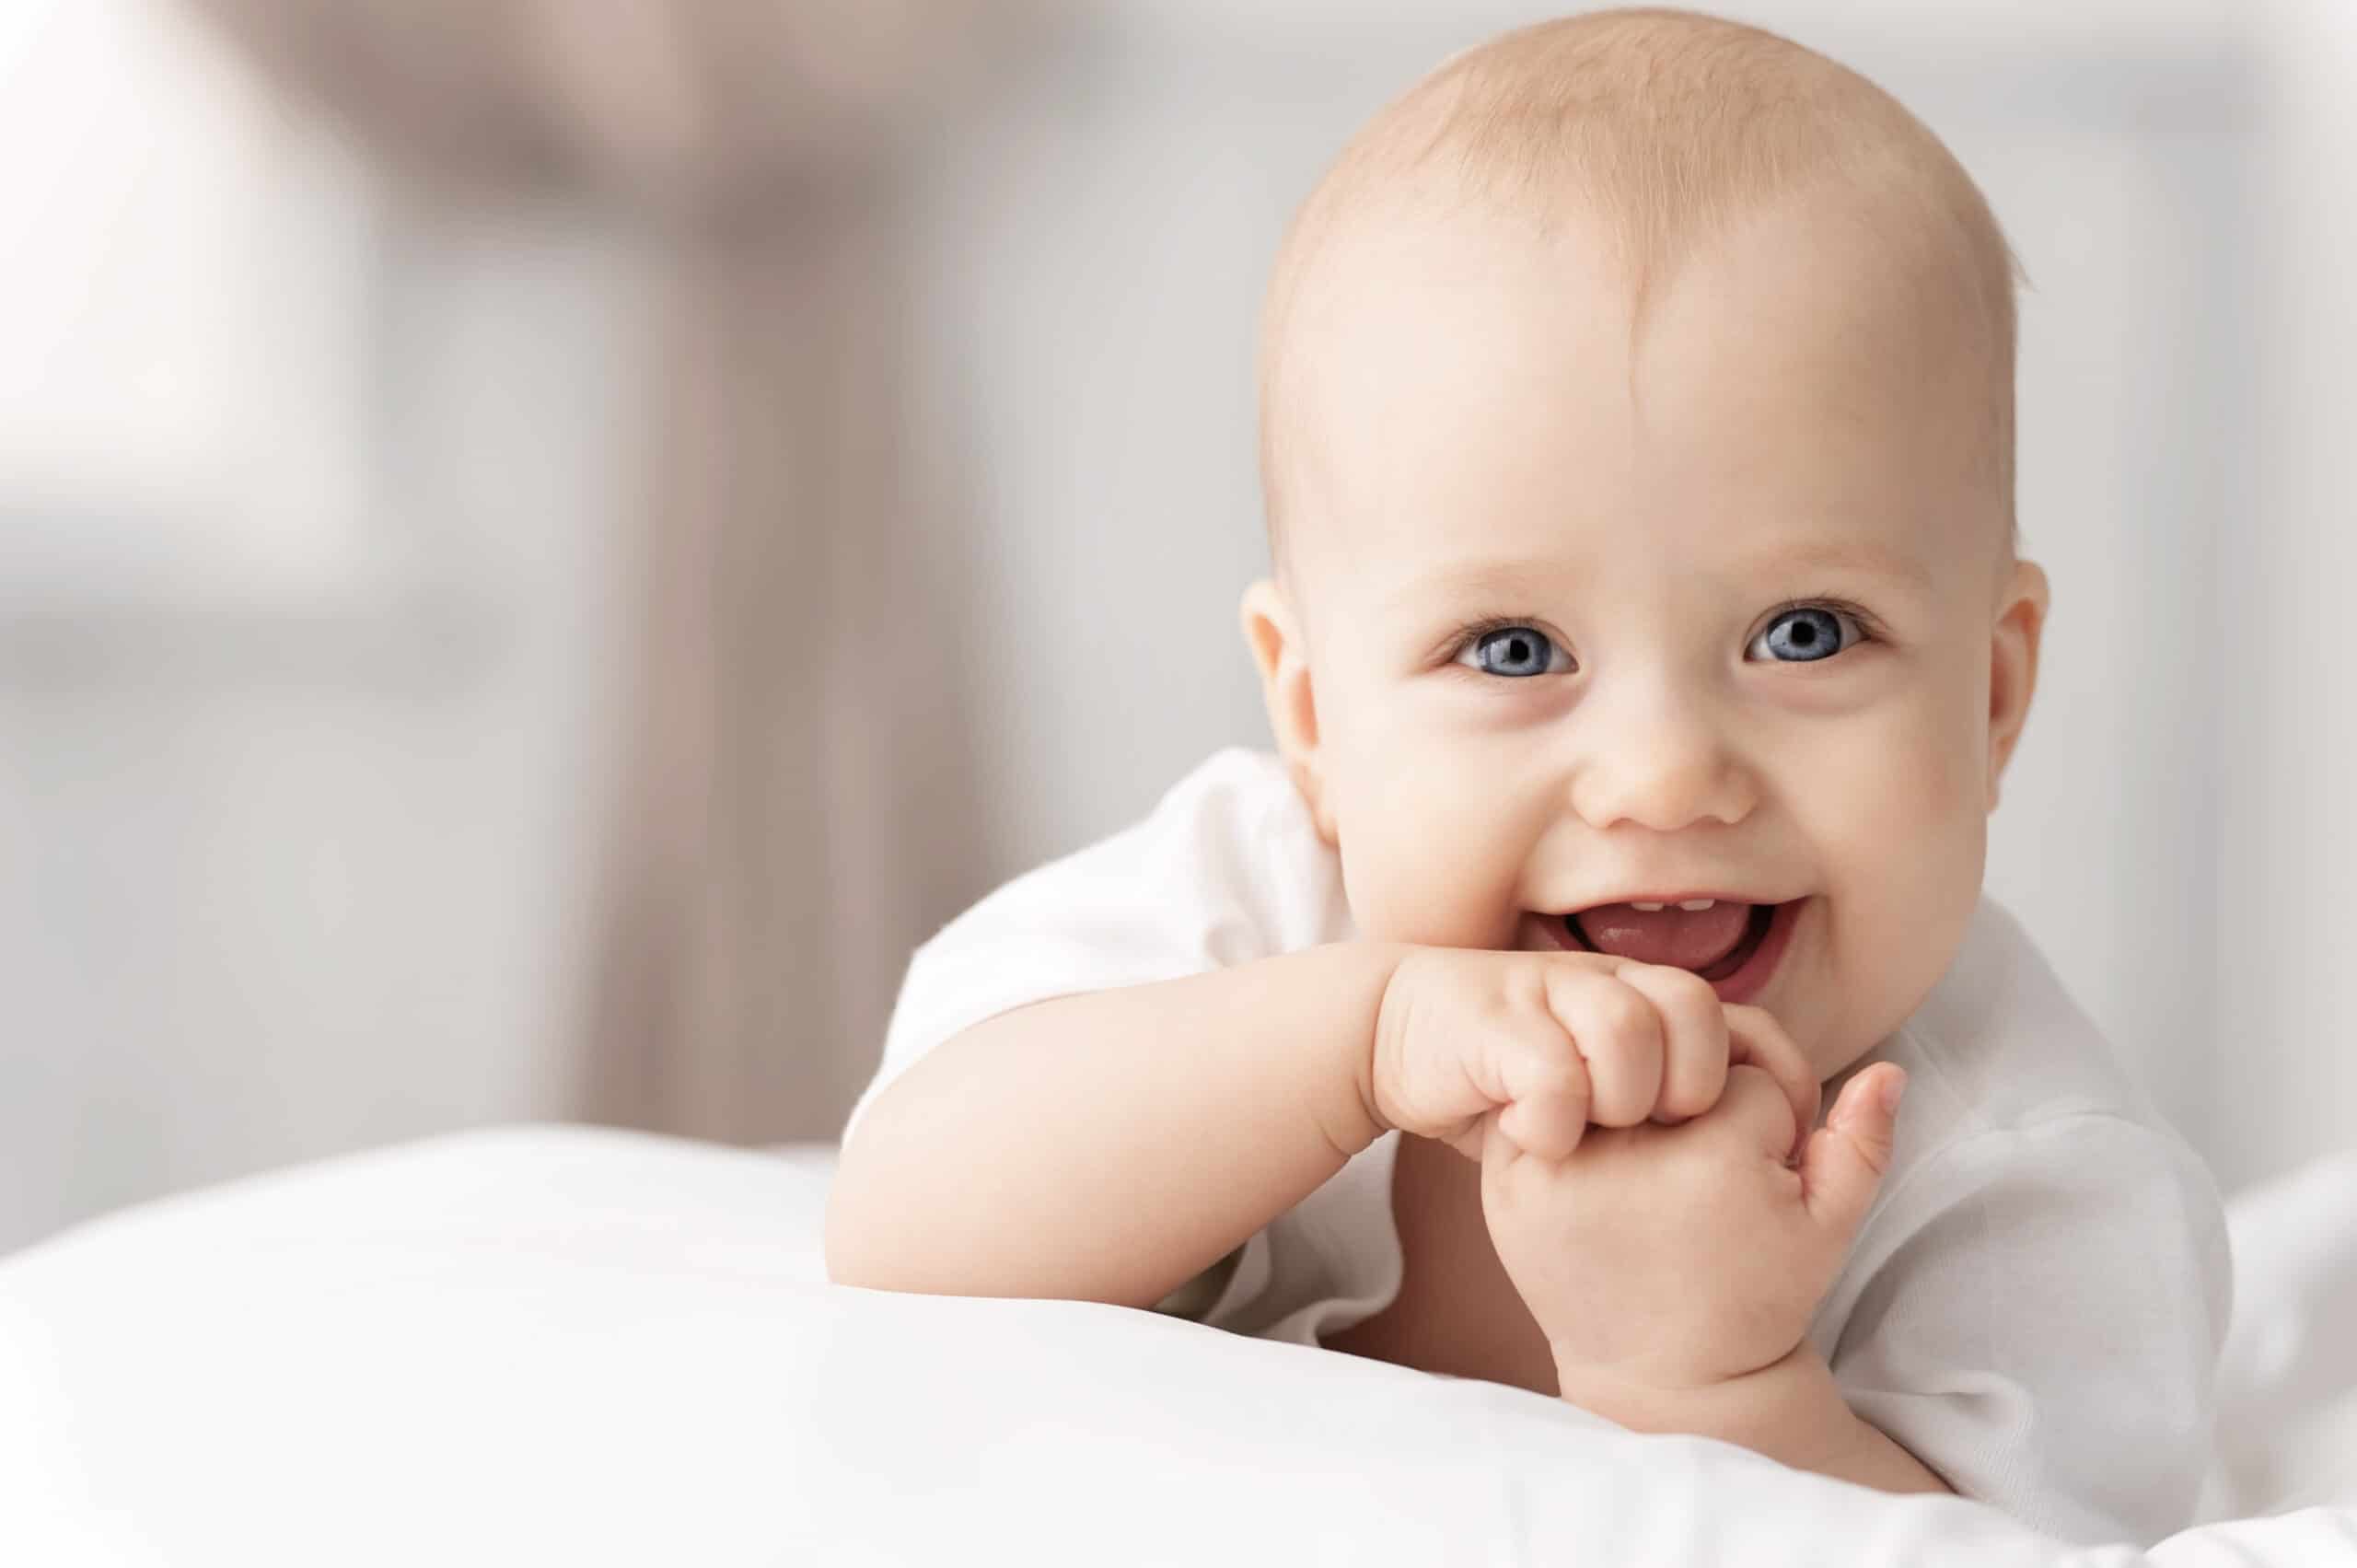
(1661, 127)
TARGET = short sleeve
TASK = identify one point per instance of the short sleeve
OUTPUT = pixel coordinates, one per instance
(2039, 1322)
(1226, 869)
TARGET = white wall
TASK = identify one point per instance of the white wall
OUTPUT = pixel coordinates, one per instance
(291, 775)
(306, 630)
(2282, 1044)
(290, 879)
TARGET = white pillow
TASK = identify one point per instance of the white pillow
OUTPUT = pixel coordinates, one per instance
(2287, 1419)
(565, 1345)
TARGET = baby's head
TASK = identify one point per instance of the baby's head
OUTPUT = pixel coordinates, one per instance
(1637, 434)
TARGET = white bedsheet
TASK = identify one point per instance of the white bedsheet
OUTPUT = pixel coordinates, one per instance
(576, 1346)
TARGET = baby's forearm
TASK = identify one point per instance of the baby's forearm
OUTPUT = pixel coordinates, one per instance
(1792, 1411)
(1107, 1147)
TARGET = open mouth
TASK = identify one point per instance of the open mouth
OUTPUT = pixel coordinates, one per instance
(1713, 941)
(1733, 945)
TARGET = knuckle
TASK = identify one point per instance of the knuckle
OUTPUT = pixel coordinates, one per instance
(1688, 1010)
(1557, 1075)
(1525, 986)
(1624, 1016)
(1692, 1092)
(1686, 991)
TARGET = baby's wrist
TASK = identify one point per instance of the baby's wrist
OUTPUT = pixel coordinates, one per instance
(1356, 976)
(1391, 1004)
(1791, 1409)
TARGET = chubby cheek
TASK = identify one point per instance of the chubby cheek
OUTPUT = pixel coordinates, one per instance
(1434, 835)
(1895, 815)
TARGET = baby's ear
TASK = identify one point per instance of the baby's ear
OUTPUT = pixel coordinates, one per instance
(1273, 634)
(2013, 664)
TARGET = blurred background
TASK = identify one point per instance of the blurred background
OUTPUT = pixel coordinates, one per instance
(542, 548)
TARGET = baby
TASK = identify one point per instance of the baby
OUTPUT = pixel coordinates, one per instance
(1646, 644)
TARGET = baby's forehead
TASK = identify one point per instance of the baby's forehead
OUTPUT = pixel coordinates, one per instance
(1868, 257)
(1618, 148)
(1462, 372)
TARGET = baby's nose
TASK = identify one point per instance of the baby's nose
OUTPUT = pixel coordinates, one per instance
(1659, 760)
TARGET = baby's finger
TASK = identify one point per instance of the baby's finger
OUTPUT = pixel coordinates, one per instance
(1758, 1104)
(1757, 1040)
(1506, 1164)
(1846, 1161)
(1619, 1034)
(1548, 1095)
(1694, 1037)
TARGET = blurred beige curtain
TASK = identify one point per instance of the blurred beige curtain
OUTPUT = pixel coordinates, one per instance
(790, 814)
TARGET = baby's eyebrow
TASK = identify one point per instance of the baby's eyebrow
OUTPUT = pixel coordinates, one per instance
(1481, 579)
(1497, 579)
(1468, 586)
(1864, 556)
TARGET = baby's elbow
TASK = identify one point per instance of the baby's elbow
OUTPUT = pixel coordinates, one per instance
(847, 1263)
(858, 1249)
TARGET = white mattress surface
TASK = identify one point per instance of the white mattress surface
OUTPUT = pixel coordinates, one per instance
(585, 1346)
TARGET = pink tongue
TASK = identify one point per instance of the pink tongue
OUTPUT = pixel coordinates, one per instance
(1692, 939)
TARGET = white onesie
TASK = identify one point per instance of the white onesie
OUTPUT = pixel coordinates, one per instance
(2033, 1307)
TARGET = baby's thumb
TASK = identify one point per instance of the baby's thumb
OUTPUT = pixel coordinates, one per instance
(1846, 1157)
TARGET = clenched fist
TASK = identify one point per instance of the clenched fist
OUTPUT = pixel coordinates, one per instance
(1535, 1046)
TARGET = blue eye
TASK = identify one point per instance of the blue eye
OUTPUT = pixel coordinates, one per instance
(1802, 635)
(1515, 652)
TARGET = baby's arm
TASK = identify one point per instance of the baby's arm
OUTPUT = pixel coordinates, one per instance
(1107, 1147)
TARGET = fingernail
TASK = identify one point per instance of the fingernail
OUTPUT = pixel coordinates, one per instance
(1894, 1087)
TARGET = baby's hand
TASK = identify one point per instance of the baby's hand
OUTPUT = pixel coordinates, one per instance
(1674, 1258)
(1536, 1046)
